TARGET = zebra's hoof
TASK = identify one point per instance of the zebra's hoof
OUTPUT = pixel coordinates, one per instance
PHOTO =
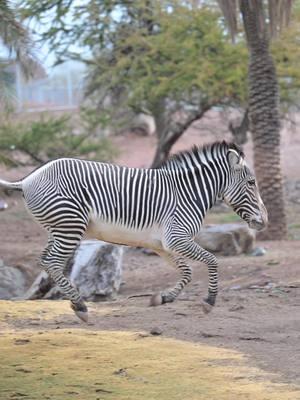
(156, 300)
(206, 307)
(83, 315)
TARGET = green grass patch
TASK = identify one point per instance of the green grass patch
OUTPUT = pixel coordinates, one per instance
(222, 218)
(294, 231)
(294, 226)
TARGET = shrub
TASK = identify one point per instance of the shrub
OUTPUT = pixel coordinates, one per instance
(51, 137)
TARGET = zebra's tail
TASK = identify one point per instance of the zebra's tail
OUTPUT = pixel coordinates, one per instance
(11, 185)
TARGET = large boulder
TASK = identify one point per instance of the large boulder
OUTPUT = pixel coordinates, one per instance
(12, 282)
(95, 269)
(227, 239)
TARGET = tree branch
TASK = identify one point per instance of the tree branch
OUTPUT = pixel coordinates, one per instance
(172, 133)
(239, 132)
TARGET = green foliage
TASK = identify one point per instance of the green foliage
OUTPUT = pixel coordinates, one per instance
(7, 89)
(186, 60)
(16, 38)
(146, 53)
(286, 52)
(51, 137)
(156, 55)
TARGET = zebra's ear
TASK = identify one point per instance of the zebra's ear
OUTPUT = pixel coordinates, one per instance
(235, 159)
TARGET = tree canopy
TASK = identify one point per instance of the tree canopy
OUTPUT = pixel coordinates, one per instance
(185, 62)
(148, 56)
(140, 53)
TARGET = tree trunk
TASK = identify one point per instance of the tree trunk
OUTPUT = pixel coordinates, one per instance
(168, 134)
(164, 145)
(239, 132)
(264, 118)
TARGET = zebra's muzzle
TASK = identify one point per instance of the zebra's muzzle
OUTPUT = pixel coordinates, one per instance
(258, 223)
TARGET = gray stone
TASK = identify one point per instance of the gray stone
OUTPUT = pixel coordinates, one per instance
(148, 252)
(41, 286)
(156, 331)
(227, 239)
(95, 269)
(258, 251)
(3, 205)
(12, 282)
(235, 287)
(144, 124)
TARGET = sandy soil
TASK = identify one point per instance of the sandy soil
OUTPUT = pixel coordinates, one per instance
(258, 308)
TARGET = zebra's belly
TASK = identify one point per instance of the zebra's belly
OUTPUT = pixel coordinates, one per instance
(119, 234)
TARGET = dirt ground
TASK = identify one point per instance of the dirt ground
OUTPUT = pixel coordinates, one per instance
(258, 308)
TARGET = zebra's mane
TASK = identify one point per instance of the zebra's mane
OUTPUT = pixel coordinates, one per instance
(201, 153)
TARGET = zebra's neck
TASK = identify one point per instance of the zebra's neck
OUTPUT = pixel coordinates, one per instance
(200, 175)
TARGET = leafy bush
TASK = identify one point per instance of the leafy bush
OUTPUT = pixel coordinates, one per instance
(51, 137)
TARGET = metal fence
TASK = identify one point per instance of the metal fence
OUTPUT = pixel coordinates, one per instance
(57, 92)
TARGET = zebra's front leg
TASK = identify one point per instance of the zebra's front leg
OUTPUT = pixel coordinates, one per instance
(187, 248)
(53, 261)
(212, 265)
(168, 296)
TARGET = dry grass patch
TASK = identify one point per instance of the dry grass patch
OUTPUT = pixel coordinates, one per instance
(82, 364)
(42, 310)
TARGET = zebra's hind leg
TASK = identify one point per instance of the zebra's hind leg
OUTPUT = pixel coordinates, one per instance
(53, 260)
(168, 296)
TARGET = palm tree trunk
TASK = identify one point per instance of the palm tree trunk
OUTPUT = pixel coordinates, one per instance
(264, 118)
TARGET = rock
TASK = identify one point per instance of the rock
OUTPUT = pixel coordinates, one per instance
(95, 269)
(237, 307)
(144, 124)
(12, 282)
(258, 251)
(3, 205)
(156, 331)
(148, 252)
(227, 239)
(40, 286)
(235, 287)
(273, 262)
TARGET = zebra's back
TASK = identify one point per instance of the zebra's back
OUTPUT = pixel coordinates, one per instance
(119, 202)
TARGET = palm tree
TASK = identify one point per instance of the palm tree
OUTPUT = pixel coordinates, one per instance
(263, 20)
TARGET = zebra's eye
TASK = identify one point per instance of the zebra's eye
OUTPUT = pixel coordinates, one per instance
(251, 182)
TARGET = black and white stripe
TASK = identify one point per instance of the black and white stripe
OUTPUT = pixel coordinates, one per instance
(65, 195)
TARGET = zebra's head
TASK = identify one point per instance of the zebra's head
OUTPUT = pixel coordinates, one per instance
(242, 193)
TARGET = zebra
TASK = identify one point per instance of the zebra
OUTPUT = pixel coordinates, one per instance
(162, 209)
